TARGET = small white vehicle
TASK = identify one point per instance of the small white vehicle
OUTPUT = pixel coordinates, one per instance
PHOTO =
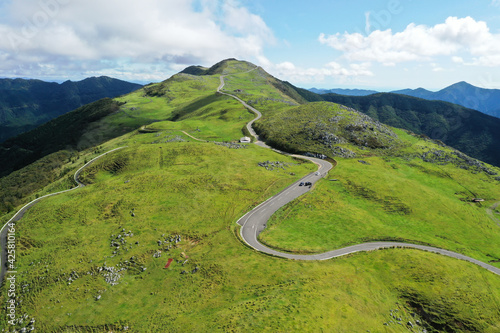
(317, 173)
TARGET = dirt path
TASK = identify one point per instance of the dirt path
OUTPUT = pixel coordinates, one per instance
(192, 137)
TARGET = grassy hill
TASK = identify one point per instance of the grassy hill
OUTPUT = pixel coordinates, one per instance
(325, 128)
(394, 170)
(472, 132)
(181, 96)
(93, 260)
(25, 104)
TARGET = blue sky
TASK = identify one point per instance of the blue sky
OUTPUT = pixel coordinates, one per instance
(382, 45)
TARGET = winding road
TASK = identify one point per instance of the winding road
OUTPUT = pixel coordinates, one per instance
(19, 215)
(255, 221)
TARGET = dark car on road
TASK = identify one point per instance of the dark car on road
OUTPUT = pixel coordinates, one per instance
(301, 184)
(308, 184)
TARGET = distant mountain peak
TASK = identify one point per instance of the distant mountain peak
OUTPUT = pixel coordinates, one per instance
(342, 91)
(464, 94)
(461, 84)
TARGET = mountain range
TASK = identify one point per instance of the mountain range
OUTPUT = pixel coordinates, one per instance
(347, 92)
(461, 93)
(25, 104)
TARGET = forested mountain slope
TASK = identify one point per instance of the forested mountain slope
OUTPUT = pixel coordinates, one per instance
(25, 104)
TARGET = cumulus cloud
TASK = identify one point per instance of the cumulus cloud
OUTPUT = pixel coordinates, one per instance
(436, 68)
(420, 43)
(288, 71)
(100, 36)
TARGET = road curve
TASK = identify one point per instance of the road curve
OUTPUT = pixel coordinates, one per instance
(255, 221)
(19, 215)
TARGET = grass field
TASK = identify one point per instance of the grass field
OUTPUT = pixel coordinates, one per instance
(176, 190)
(158, 101)
(394, 195)
(260, 90)
(417, 202)
(93, 260)
(221, 120)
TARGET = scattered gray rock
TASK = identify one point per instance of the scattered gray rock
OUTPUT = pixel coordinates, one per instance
(457, 158)
(169, 138)
(270, 166)
(231, 145)
(342, 152)
(320, 156)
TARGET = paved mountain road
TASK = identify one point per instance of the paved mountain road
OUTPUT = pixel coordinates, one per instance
(255, 221)
(251, 108)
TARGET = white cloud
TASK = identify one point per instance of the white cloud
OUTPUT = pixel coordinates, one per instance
(288, 71)
(244, 22)
(368, 25)
(95, 36)
(436, 68)
(420, 43)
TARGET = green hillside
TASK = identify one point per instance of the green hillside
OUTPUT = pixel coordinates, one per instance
(325, 128)
(80, 129)
(472, 132)
(394, 171)
(93, 259)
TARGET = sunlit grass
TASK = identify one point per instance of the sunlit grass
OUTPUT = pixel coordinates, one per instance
(198, 190)
(392, 198)
(157, 188)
